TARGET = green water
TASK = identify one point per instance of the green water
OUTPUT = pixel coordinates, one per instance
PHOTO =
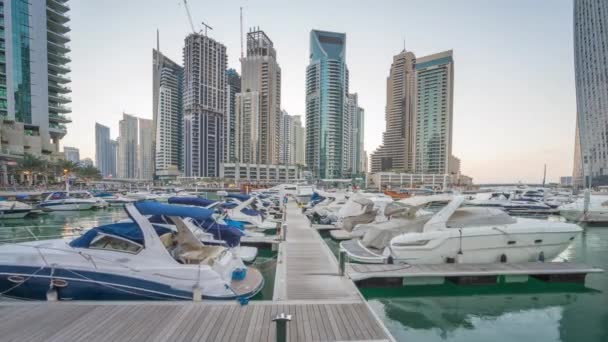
(532, 311)
(72, 223)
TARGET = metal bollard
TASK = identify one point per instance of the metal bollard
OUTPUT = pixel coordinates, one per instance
(281, 320)
(284, 232)
(342, 260)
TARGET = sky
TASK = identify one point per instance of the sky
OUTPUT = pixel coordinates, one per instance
(514, 95)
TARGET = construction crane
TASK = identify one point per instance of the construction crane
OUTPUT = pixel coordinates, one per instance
(189, 16)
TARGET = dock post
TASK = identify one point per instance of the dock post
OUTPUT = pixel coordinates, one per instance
(342, 259)
(281, 320)
(284, 232)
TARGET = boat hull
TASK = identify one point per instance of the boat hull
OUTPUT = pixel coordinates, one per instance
(590, 216)
(67, 206)
(14, 213)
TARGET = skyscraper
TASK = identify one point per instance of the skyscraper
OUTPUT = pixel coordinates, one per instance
(434, 112)
(168, 115)
(261, 75)
(145, 151)
(72, 154)
(286, 141)
(591, 74)
(105, 151)
(327, 105)
(299, 134)
(205, 101)
(355, 128)
(233, 87)
(397, 149)
(33, 85)
(127, 147)
(247, 127)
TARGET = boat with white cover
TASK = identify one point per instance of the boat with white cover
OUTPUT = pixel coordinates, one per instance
(595, 210)
(14, 209)
(126, 261)
(465, 235)
(68, 201)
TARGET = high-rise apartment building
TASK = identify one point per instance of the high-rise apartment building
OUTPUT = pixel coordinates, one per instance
(434, 113)
(127, 147)
(167, 93)
(33, 81)
(591, 74)
(146, 147)
(261, 75)
(299, 137)
(293, 137)
(397, 149)
(247, 127)
(72, 154)
(205, 62)
(327, 105)
(105, 151)
(233, 87)
(356, 117)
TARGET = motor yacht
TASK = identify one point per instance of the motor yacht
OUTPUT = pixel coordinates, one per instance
(13, 209)
(591, 208)
(68, 201)
(466, 235)
(126, 261)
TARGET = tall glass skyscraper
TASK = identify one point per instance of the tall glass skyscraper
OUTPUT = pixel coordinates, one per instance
(327, 140)
(591, 72)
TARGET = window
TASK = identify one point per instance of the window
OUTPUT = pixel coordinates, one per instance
(115, 243)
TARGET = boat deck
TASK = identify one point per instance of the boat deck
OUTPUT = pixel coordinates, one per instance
(184, 321)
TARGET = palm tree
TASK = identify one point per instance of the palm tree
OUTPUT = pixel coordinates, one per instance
(30, 165)
(88, 173)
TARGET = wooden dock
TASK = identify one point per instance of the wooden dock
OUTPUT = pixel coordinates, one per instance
(403, 274)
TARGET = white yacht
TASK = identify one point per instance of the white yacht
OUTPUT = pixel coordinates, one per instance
(14, 209)
(594, 211)
(68, 201)
(467, 235)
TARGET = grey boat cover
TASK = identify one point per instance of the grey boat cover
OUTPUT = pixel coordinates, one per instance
(379, 235)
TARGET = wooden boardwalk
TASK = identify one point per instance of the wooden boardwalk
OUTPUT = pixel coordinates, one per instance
(184, 321)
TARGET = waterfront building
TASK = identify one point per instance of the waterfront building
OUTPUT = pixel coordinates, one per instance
(205, 62)
(270, 174)
(167, 93)
(127, 147)
(72, 154)
(287, 142)
(299, 137)
(327, 105)
(261, 76)
(356, 117)
(233, 87)
(33, 79)
(105, 151)
(145, 152)
(591, 79)
(247, 127)
(565, 181)
(434, 113)
(397, 149)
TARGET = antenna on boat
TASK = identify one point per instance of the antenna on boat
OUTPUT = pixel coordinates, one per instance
(544, 176)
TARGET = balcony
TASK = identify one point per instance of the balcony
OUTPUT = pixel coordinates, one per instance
(60, 48)
(58, 118)
(59, 99)
(57, 129)
(58, 68)
(56, 88)
(56, 108)
(58, 6)
(57, 27)
(59, 79)
(58, 58)
(59, 17)
(57, 38)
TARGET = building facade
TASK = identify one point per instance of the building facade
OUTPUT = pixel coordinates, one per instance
(261, 75)
(127, 147)
(167, 93)
(145, 153)
(327, 105)
(33, 79)
(270, 174)
(356, 129)
(72, 154)
(233, 87)
(247, 127)
(287, 139)
(591, 77)
(205, 62)
(397, 149)
(434, 113)
(105, 151)
(299, 137)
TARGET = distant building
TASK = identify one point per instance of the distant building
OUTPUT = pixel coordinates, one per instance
(105, 151)
(327, 105)
(591, 79)
(287, 140)
(565, 181)
(434, 113)
(145, 153)
(233, 87)
(261, 76)
(356, 117)
(259, 173)
(397, 149)
(127, 147)
(72, 154)
(247, 127)
(168, 115)
(205, 62)
(86, 162)
(299, 137)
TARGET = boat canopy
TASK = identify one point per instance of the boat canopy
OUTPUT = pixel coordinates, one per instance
(198, 201)
(125, 230)
(240, 197)
(226, 232)
(155, 208)
(250, 212)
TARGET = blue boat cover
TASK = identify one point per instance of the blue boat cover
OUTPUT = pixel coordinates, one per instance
(316, 198)
(249, 212)
(155, 208)
(233, 223)
(229, 205)
(126, 230)
(240, 197)
(103, 194)
(230, 234)
(198, 201)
